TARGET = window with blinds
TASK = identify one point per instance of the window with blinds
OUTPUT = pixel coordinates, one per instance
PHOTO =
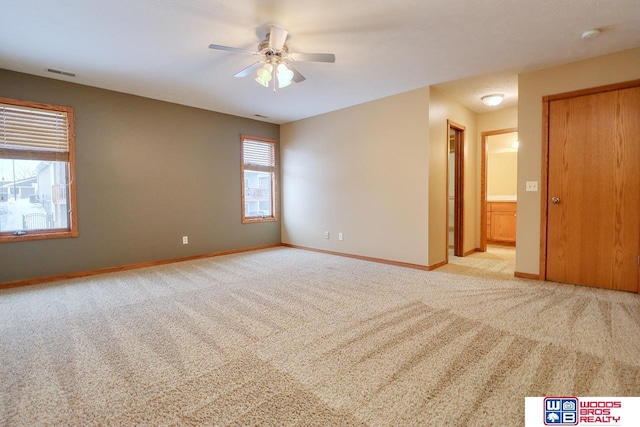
(259, 179)
(37, 186)
(31, 129)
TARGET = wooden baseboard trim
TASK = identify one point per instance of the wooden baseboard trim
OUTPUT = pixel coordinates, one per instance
(360, 257)
(87, 273)
(438, 265)
(471, 251)
(526, 275)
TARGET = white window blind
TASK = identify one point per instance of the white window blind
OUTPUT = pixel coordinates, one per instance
(26, 128)
(256, 153)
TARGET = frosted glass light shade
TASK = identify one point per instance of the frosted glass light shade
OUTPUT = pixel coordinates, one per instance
(493, 99)
(264, 73)
(262, 82)
(285, 75)
(282, 73)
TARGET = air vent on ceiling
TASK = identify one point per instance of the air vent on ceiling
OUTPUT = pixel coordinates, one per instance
(261, 116)
(64, 73)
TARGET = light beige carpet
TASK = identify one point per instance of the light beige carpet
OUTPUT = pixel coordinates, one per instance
(290, 337)
(498, 262)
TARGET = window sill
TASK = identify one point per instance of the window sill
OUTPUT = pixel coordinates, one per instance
(37, 235)
(257, 220)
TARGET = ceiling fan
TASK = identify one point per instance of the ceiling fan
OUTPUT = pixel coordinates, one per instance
(275, 67)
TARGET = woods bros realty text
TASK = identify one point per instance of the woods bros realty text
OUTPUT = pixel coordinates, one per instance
(598, 412)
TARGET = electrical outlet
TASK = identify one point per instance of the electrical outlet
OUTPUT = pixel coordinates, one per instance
(532, 186)
(340, 236)
(326, 235)
(185, 240)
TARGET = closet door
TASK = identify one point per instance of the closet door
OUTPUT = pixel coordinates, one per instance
(593, 206)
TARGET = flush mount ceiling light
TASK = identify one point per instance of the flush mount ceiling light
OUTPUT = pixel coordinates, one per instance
(493, 99)
(589, 34)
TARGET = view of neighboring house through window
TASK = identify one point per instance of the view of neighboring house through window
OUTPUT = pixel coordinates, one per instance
(37, 188)
(259, 177)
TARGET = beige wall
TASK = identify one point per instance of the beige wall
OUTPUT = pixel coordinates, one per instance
(502, 165)
(502, 174)
(361, 171)
(148, 172)
(441, 109)
(497, 120)
(619, 67)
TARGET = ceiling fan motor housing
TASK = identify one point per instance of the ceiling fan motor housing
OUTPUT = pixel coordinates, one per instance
(264, 49)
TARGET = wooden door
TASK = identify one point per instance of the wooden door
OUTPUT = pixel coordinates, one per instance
(593, 197)
(455, 134)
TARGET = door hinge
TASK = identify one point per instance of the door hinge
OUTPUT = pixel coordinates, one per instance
(638, 259)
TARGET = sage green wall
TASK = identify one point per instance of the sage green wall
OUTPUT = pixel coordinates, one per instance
(148, 172)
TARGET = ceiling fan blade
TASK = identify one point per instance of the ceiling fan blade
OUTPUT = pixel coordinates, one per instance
(313, 57)
(248, 70)
(277, 37)
(232, 49)
(297, 77)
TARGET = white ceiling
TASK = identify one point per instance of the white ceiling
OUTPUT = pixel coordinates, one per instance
(159, 48)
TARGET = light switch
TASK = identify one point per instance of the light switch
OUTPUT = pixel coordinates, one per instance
(532, 186)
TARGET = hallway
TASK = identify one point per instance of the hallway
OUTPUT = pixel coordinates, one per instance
(498, 262)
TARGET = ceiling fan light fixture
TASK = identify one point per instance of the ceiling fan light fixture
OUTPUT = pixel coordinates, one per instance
(264, 73)
(262, 82)
(282, 84)
(285, 75)
(493, 99)
(276, 71)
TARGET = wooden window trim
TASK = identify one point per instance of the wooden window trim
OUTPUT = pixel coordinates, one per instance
(274, 180)
(68, 157)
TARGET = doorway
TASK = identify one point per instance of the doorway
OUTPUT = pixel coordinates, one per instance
(498, 200)
(455, 188)
(590, 201)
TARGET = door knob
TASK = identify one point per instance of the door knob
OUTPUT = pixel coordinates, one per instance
(555, 200)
